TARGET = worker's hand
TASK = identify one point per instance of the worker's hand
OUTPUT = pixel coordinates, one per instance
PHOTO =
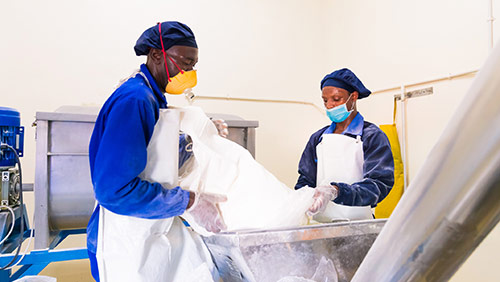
(323, 194)
(221, 127)
(205, 211)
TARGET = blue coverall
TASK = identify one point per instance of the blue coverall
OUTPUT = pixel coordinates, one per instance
(118, 154)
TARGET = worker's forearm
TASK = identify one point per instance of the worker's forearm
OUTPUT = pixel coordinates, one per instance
(143, 199)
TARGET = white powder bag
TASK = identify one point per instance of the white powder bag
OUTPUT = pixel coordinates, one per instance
(256, 199)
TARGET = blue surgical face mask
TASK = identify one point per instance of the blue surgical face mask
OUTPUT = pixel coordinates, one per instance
(339, 113)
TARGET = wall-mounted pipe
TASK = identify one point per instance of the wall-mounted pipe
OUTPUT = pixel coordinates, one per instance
(279, 101)
(404, 133)
(428, 81)
(453, 201)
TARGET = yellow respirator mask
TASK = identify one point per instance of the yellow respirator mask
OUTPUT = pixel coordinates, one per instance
(180, 82)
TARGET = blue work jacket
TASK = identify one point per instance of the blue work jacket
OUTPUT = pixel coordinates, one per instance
(118, 154)
(378, 167)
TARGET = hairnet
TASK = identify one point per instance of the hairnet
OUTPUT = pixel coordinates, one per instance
(346, 79)
(172, 33)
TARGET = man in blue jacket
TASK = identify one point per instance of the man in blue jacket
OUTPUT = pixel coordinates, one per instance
(118, 149)
(349, 161)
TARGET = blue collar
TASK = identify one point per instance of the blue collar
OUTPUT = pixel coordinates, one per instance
(152, 83)
(354, 128)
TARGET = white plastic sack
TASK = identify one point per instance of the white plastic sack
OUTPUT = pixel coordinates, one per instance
(256, 199)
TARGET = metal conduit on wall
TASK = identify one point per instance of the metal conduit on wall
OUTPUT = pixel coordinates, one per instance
(452, 204)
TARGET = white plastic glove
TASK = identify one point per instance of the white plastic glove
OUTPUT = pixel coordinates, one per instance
(323, 194)
(221, 126)
(205, 211)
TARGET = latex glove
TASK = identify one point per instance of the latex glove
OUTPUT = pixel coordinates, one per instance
(323, 194)
(205, 211)
(221, 126)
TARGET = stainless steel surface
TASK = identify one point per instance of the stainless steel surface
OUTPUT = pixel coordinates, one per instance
(63, 191)
(28, 187)
(269, 255)
(41, 186)
(64, 197)
(453, 202)
(240, 131)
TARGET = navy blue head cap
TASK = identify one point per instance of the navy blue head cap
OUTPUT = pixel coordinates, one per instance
(346, 79)
(173, 33)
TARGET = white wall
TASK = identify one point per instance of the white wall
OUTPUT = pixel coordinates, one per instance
(58, 52)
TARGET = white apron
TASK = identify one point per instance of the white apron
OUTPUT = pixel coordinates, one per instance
(153, 250)
(340, 159)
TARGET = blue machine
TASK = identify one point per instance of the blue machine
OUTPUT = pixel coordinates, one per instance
(11, 133)
(11, 140)
(13, 219)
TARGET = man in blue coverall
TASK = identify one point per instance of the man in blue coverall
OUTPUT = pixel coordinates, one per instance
(123, 129)
(349, 161)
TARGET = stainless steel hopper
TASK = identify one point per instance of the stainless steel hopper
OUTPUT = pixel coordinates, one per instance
(270, 255)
